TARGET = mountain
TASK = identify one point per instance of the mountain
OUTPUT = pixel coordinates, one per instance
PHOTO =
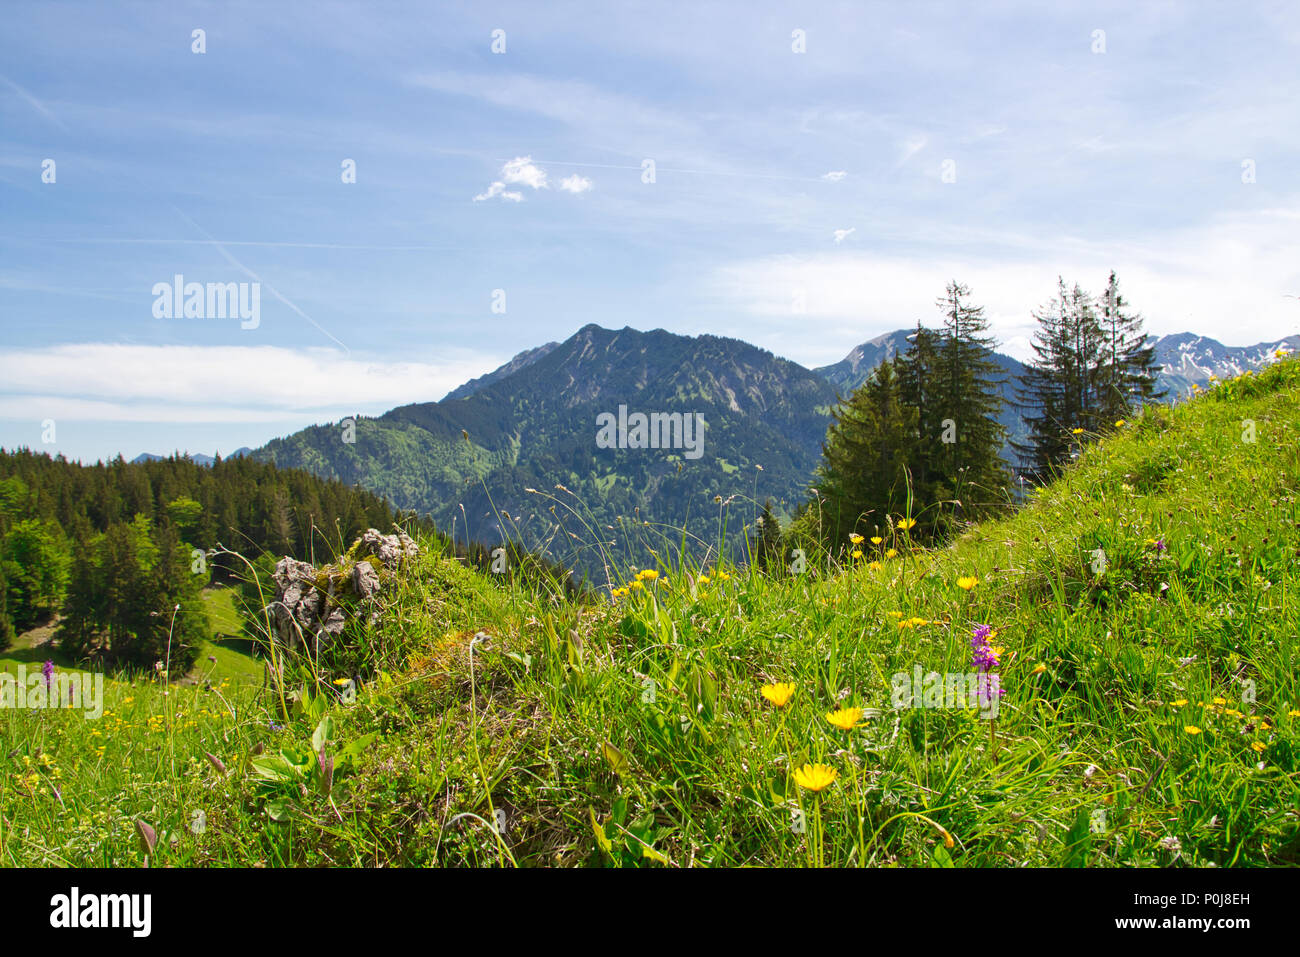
(1189, 359)
(197, 458)
(469, 460)
(525, 358)
(853, 370)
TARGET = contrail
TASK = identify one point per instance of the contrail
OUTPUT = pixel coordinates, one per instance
(256, 278)
(35, 103)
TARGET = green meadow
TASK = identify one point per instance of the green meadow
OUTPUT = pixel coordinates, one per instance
(1144, 611)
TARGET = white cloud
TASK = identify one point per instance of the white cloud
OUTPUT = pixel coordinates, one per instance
(1227, 279)
(843, 234)
(133, 383)
(499, 189)
(523, 170)
(575, 184)
(834, 176)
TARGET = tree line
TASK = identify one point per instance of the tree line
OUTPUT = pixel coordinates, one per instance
(921, 437)
(120, 549)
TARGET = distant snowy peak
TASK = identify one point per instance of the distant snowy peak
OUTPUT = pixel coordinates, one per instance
(1189, 359)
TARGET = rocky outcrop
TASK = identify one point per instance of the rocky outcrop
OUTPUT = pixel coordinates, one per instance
(314, 604)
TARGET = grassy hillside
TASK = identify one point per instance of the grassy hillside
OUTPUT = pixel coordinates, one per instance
(1146, 609)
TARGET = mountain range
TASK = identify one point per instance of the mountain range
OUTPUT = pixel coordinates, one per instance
(515, 453)
(198, 458)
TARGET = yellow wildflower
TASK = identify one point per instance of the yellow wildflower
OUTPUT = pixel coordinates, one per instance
(845, 718)
(814, 777)
(778, 694)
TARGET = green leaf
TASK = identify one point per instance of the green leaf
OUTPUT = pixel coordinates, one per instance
(601, 840)
(354, 748)
(650, 852)
(614, 757)
(324, 733)
(276, 769)
(941, 856)
(619, 812)
(1077, 842)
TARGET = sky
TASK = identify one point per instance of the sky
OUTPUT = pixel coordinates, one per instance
(417, 192)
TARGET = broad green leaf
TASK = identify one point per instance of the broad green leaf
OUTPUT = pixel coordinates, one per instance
(601, 840)
(614, 757)
(276, 769)
(324, 733)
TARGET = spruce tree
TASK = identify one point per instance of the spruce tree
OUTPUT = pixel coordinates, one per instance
(1060, 392)
(917, 389)
(1128, 368)
(6, 626)
(864, 469)
(966, 447)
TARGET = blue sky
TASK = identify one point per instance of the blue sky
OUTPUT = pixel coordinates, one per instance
(781, 177)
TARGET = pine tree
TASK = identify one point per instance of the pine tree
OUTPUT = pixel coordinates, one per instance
(917, 389)
(1060, 392)
(6, 626)
(966, 449)
(1128, 370)
(864, 469)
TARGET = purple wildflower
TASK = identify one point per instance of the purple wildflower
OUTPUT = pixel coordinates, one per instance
(47, 671)
(1160, 544)
(984, 659)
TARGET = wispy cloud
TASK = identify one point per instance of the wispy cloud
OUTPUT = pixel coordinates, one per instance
(139, 383)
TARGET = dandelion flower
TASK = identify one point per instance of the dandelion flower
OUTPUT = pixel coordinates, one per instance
(891, 553)
(906, 523)
(857, 553)
(855, 538)
(874, 566)
(1192, 729)
(845, 718)
(1179, 703)
(967, 582)
(1294, 713)
(778, 694)
(1220, 701)
(1076, 431)
(814, 777)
